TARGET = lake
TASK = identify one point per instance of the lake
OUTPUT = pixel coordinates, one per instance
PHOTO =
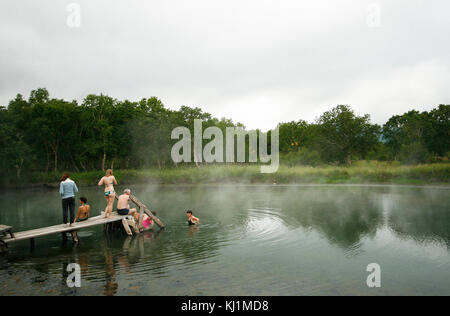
(252, 240)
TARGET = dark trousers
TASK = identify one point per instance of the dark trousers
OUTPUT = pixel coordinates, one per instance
(68, 205)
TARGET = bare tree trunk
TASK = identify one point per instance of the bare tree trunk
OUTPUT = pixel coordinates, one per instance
(103, 161)
(19, 168)
(74, 163)
(55, 153)
(82, 166)
(348, 160)
(48, 161)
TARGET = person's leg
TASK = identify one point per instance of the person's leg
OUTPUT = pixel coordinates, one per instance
(72, 209)
(106, 208)
(64, 210)
(111, 203)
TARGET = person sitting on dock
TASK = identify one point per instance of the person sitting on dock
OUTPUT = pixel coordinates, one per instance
(123, 208)
(83, 211)
(192, 220)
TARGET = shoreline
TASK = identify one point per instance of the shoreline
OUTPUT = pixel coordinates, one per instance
(431, 185)
(361, 174)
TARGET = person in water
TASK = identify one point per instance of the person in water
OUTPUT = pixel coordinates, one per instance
(108, 181)
(68, 189)
(83, 211)
(192, 220)
(123, 208)
(147, 222)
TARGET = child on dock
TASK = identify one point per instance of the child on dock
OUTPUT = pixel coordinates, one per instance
(83, 211)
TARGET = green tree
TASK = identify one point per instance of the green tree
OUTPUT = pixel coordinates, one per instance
(342, 134)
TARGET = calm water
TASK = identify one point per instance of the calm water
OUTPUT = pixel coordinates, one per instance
(253, 240)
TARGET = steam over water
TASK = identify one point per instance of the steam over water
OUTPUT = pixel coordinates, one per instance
(252, 240)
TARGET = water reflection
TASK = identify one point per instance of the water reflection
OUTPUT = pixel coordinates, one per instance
(344, 218)
(422, 217)
(300, 234)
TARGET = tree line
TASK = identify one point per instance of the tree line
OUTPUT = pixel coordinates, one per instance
(43, 134)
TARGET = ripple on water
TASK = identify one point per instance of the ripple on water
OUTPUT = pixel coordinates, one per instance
(266, 226)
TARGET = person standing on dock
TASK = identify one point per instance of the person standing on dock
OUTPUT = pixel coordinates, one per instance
(68, 189)
(108, 181)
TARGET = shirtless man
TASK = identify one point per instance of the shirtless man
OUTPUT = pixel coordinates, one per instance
(83, 211)
(123, 208)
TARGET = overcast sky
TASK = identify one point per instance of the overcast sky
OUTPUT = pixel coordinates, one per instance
(258, 62)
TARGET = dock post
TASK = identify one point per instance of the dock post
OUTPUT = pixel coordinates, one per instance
(126, 227)
(132, 224)
(3, 246)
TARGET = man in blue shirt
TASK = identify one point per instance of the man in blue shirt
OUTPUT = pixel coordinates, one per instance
(68, 189)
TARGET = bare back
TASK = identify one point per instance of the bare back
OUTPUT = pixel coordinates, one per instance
(122, 202)
(84, 211)
(108, 182)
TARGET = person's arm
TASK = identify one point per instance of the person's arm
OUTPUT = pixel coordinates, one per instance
(196, 220)
(75, 188)
(88, 211)
(114, 180)
(61, 189)
(78, 215)
(100, 183)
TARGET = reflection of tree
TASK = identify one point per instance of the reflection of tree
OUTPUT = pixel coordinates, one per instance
(422, 217)
(343, 216)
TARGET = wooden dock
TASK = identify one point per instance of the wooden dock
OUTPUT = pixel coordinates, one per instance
(60, 228)
(128, 222)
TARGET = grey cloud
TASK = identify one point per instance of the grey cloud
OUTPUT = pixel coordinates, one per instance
(257, 62)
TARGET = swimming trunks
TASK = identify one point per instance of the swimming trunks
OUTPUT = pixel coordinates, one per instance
(82, 219)
(123, 211)
(190, 223)
(108, 193)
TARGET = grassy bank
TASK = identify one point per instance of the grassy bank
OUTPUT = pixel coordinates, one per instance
(360, 172)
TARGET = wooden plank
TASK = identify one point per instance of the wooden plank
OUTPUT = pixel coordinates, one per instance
(143, 207)
(93, 221)
(126, 227)
(146, 210)
(132, 224)
(4, 229)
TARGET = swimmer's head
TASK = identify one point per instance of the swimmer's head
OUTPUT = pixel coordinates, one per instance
(83, 200)
(127, 191)
(189, 213)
